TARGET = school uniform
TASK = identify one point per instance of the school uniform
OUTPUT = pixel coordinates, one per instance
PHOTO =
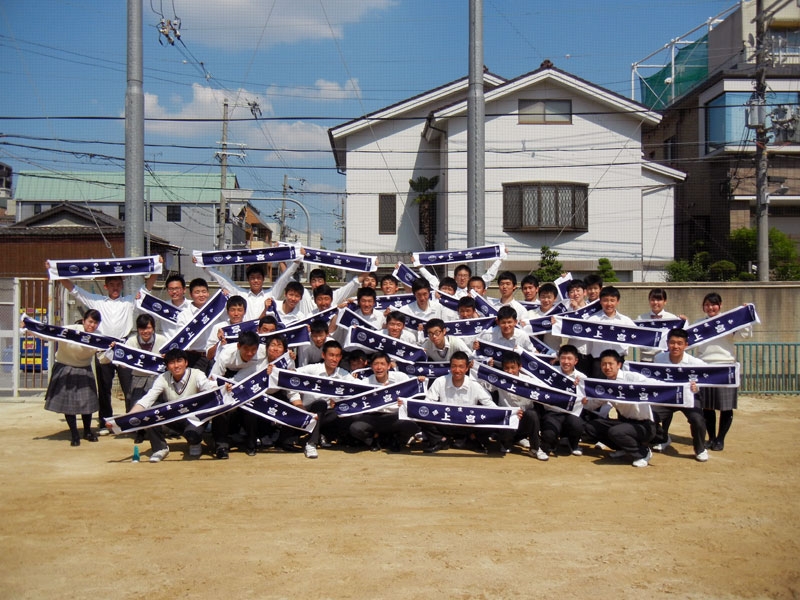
(326, 416)
(141, 383)
(452, 345)
(557, 423)
(517, 342)
(170, 329)
(648, 354)
(597, 348)
(383, 422)
(470, 393)
(72, 389)
(197, 347)
(255, 302)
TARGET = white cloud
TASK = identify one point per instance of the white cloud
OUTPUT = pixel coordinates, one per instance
(263, 23)
(293, 141)
(322, 90)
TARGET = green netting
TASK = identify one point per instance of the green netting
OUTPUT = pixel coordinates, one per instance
(691, 67)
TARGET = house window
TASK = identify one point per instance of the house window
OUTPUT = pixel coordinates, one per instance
(174, 213)
(387, 214)
(37, 208)
(547, 205)
(726, 117)
(545, 112)
(121, 212)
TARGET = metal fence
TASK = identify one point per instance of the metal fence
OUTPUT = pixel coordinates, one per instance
(769, 368)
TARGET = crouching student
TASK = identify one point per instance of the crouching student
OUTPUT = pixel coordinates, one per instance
(677, 343)
(384, 424)
(558, 423)
(179, 382)
(460, 389)
(632, 431)
(527, 433)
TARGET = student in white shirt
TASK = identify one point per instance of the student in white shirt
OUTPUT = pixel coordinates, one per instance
(609, 300)
(558, 423)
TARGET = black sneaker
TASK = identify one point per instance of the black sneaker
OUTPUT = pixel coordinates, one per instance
(435, 447)
(221, 453)
(90, 436)
(250, 451)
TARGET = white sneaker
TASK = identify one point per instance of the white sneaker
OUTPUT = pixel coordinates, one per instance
(703, 456)
(195, 450)
(103, 431)
(524, 443)
(643, 462)
(616, 453)
(541, 454)
(577, 452)
(311, 451)
(663, 446)
(159, 455)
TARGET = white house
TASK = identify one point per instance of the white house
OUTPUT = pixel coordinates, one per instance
(564, 169)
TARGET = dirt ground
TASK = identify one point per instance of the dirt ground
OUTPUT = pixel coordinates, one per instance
(86, 522)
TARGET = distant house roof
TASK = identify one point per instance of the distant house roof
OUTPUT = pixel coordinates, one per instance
(89, 186)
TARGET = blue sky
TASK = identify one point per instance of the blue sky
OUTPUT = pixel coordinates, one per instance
(311, 64)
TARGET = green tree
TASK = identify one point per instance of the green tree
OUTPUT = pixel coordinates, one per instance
(550, 268)
(426, 199)
(684, 270)
(722, 270)
(783, 256)
(606, 270)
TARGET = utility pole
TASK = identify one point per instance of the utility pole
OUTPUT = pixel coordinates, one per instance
(476, 117)
(223, 161)
(134, 139)
(283, 208)
(762, 195)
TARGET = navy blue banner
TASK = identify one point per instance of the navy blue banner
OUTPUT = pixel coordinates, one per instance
(446, 257)
(614, 333)
(245, 257)
(204, 319)
(464, 327)
(138, 360)
(526, 389)
(703, 375)
(632, 392)
(458, 415)
(723, 324)
(324, 315)
(447, 300)
(240, 393)
(395, 301)
(541, 347)
(431, 370)
(64, 334)
(339, 260)
(109, 267)
(482, 305)
(349, 318)
(231, 332)
(530, 305)
(542, 370)
(584, 312)
(375, 341)
(283, 413)
(379, 398)
(405, 275)
(166, 413)
(316, 385)
(295, 336)
(659, 323)
(166, 311)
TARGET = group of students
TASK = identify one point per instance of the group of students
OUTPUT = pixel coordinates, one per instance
(210, 360)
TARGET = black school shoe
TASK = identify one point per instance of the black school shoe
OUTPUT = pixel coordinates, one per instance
(221, 453)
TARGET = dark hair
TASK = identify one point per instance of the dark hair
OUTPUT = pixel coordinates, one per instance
(357, 354)
(506, 312)
(448, 282)
(330, 344)
(613, 354)
(466, 302)
(317, 274)
(576, 283)
(197, 282)
(434, 323)
(111, 278)
(235, 301)
(507, 276)
(569, 349)
(420, 283)
(378, 355)
(92, 314)
(389, 277)
(294, 286)
(174, 354)
(254, 269)
(318, 326)
(177, 277)
(366, 291)
(657, 294)
(548, 288)
(593, 280)
(511, 358)
(143, 320)
(459, 355)
(323, 290)
(712, 298)
(396, 315)
(460, 268)
(280, 339)
(476, 279)
(532, 279)
(249, 338)
(268, 320)
(678, 332)
(610, 291)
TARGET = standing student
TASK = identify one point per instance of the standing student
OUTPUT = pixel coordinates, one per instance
(657, 298)
(179, 382)
(505, 333)
(507, 285)
(632, 431)
(72, 390)
(117, 314)
(235, 307)
(176, 292)
(438, 345)
(255, 296)
(722, 399)
(609, 301)
(594, 284)
(677, 343)
(576, 299)
(530, 289)
(196, 351)
(311, 352)
(548, 299)
(396, 328)
(423, 307)
(559, 423)
(316, 278)
(289, 310)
